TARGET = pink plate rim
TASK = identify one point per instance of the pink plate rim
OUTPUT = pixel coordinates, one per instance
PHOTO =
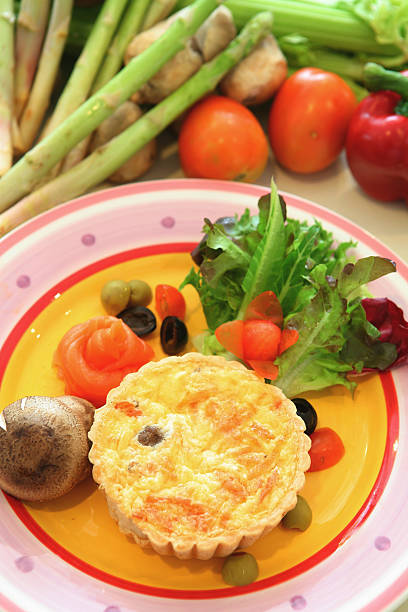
(398, 587)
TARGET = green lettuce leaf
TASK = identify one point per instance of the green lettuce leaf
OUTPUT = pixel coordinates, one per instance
(334, 335)
(264, 251)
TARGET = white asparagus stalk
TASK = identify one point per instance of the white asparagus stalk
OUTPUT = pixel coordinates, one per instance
(131, 24)
(87, 65)
(6, 84)
(44, 81)
(31, 24)
(158, 11)
(16, 137)
(105, 160)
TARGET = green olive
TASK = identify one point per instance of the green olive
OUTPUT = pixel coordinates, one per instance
(115, 296)
(140, 293)
(300, 517)
(240, 569)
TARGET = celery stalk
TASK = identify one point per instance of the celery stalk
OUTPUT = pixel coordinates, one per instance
(329, 26)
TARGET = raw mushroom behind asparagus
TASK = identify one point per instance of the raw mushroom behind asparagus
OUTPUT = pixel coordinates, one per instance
(138, 164)
(258, 76)
(210, 39)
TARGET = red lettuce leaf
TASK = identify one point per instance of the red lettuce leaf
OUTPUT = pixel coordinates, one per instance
(388, 318)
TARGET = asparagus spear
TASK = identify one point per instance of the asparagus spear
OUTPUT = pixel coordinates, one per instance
(6, 83)
(88, 63)
(41, 90)
(158, 10)
(35, 164)
(131, 24)
(105, 160)
(31, 25)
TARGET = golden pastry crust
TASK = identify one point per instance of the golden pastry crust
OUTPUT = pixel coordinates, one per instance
(197, 456)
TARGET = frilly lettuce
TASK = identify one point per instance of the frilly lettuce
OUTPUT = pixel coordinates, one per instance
(318, 284)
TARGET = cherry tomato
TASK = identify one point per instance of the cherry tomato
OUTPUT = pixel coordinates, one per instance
(169, 302)
(261, 340)
(309, 118)
(221, 139)
(230, 335)
(327, 449)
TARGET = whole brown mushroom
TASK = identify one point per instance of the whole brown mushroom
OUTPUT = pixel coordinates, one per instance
(126, 114)
(258, 76)
(44, 446)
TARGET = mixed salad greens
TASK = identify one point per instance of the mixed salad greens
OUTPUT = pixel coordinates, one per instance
(320, 287)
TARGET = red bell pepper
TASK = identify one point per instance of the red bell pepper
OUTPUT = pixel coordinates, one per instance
(377, 137)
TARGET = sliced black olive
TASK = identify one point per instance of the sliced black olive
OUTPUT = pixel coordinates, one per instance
(202, 249)
(306, 411)
(173, 335)
(150, 435)
(140, 319)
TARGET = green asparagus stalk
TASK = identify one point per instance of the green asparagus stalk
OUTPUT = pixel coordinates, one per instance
(131, 24)
(88, 63)
(6, 83)
(158, 11)
(31, 25)
(105, 160)
(44, 81)
(37, 162)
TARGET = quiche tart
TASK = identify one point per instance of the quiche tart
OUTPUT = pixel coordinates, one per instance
(197, 456)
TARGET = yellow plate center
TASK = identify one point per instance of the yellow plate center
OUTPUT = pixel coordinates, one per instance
(79, 522)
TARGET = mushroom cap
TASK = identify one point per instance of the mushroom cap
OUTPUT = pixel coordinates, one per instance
(44, 449)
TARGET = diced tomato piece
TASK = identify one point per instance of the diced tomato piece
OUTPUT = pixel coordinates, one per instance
(327, 449)
(261, 340)
(265, 306)
(230, 335)
(288, 337)
(265, 369)
(169, 302)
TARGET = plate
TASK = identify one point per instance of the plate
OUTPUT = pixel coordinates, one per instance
(68, 554)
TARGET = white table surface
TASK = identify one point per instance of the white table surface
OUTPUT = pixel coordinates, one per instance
(333, 188)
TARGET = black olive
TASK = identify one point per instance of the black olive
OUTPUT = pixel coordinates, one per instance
(202, 249)
(173, 335)
(140, 319)
(150, 435)
(306, 411)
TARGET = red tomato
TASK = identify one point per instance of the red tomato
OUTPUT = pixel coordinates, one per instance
(169, 302)
(221, 139)
(308, 119)
(261, 340)
(288, 337)
(327, 449)
(230, 335)
(265, 306)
